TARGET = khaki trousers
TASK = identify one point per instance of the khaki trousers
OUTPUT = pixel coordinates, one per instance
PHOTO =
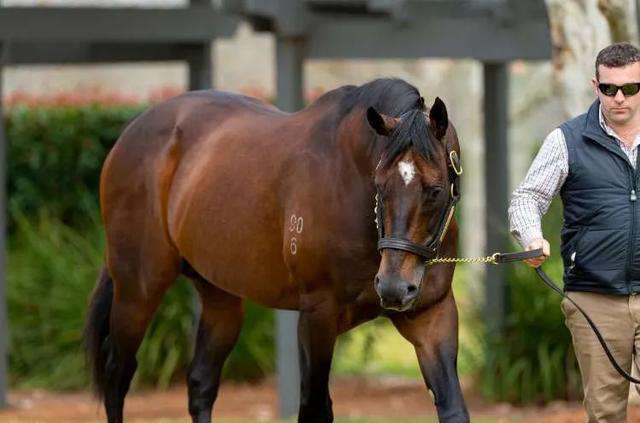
(618, 318)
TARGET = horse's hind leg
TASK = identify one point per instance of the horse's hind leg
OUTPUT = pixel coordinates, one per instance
(218, 330)
(139, 285)
(317, 333)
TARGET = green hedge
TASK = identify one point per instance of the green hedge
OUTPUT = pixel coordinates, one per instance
(56, 248)
(55, 155)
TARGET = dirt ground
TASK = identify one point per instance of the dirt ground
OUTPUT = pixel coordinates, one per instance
(352, 397)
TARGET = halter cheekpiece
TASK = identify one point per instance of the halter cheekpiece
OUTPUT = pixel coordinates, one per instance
(428, 250)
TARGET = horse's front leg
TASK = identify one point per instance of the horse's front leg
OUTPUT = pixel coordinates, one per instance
(317, 332)
(434, 334)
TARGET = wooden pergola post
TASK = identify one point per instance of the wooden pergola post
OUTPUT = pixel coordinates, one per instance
(200, 67)
(496, 182)
(289, 87)
(200, 61)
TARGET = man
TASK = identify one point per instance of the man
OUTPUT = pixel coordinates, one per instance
(592, 162)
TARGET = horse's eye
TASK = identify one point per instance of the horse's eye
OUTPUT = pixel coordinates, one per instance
(433, 192)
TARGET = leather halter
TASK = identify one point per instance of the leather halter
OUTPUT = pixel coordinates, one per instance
(430, 249)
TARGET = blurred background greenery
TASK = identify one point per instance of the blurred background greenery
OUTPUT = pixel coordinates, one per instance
(55, 153)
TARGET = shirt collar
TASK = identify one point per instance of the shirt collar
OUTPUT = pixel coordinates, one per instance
(606, 128)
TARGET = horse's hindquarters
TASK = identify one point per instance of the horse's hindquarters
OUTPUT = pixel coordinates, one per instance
(225, 216)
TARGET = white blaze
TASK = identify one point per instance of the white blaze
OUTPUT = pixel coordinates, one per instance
(407, 170)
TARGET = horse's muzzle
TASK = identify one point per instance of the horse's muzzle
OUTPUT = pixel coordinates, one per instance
(395, 294)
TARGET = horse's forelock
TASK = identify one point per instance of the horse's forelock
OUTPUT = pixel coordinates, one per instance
(412, 131)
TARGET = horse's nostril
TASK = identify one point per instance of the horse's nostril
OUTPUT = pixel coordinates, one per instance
(412, 289)
(376, 283)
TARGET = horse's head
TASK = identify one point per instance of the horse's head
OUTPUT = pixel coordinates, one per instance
(416, 184)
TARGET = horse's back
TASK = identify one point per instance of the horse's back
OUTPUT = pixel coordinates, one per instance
(195, 112)
(167, 131)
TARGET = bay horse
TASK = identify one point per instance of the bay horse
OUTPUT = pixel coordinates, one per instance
(251, 202)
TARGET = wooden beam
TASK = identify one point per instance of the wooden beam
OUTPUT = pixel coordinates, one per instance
(489, 30)
(195, 23)
(479, 37)
(419, 9)
(25, 52)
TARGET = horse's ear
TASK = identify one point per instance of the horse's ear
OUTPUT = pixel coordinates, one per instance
(380, 123)
(438, 118)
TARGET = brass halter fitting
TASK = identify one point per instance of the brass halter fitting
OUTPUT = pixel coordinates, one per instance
(455, 162)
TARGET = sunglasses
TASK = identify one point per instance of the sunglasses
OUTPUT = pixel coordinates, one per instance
(611, 90)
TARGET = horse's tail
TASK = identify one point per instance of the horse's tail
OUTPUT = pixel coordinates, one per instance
(96, 330)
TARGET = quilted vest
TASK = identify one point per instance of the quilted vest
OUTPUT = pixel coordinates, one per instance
(601, 231)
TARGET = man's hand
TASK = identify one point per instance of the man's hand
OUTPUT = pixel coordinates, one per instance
(534, 245)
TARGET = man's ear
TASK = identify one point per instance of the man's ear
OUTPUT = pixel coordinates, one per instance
(438, 118)
(594, 84)
(380, 123)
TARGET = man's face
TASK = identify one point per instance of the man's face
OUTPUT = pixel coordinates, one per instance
(618, 110)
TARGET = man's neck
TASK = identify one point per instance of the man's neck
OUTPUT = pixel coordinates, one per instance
(627, 132)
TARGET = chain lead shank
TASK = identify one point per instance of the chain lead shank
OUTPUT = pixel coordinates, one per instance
(492, 259)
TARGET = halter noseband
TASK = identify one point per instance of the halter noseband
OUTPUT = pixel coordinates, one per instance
(430, 249)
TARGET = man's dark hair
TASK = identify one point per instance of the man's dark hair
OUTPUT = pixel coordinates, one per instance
(617, 55)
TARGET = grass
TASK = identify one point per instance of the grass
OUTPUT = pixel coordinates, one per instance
(375, 348)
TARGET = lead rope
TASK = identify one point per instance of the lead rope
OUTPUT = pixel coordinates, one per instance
(547, 281)
(487, 259)
(498, 258)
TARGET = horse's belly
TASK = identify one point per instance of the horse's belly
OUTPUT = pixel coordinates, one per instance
(263, 283)
(240, 257)
(234, 240)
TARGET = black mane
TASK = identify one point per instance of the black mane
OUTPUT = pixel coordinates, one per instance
(397, 98)
(413, 130)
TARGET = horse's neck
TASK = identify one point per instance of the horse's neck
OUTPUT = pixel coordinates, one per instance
(347, 141)
(357, 142)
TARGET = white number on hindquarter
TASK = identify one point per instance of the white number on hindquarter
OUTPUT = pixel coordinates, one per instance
(296, 224)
